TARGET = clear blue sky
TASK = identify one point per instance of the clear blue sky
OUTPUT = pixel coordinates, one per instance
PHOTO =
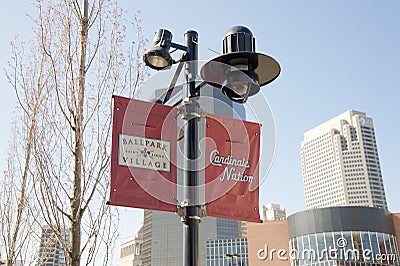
(335, 56)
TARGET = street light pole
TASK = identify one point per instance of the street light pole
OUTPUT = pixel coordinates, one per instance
(239, 72)
(191, 218)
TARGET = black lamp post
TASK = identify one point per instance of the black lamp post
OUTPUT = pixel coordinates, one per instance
(239, 72)
(158, 58)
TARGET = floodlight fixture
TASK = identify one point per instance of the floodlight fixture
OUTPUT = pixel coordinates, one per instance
(158, 57)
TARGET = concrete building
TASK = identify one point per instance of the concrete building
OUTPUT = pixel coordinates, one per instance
(131, 249)
(340, 163)
(272, 212)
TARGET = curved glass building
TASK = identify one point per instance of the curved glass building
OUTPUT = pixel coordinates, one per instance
(342, 236)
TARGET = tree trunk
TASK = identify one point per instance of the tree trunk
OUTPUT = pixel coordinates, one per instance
(76, 204)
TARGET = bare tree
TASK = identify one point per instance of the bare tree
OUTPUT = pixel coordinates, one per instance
(79, 62)
(17, 184)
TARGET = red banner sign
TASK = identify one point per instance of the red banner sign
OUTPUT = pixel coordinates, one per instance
(143, 159)
(232, 172)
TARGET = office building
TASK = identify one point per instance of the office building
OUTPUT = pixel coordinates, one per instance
(131, 249)
(340, 163)
(163, 237)
(52, 246)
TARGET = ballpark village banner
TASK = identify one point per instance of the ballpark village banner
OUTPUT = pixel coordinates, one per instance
(232, 172)
(143, 168)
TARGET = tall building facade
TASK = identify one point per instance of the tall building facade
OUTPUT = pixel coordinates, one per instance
(131, 249)
(340, 163)
(163, 237)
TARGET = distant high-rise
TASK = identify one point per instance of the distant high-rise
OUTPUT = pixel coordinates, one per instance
(340, 163)
(272, 212)
(52, 246)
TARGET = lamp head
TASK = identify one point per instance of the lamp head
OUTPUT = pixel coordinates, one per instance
(238, 84)
(158, 57)
(240, 71)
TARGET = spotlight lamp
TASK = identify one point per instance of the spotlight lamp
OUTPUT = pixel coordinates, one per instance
(158, 56)
(240, 71)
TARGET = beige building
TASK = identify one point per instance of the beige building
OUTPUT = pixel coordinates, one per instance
(340, 163)
(267, 242)
(131, 249)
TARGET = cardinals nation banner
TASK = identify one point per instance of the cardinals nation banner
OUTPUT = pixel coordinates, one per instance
(232, 172)
(143, 155)
(144, 161)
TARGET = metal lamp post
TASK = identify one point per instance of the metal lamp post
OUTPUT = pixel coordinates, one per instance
(158, 58)
(191, 214)
(238, 60)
